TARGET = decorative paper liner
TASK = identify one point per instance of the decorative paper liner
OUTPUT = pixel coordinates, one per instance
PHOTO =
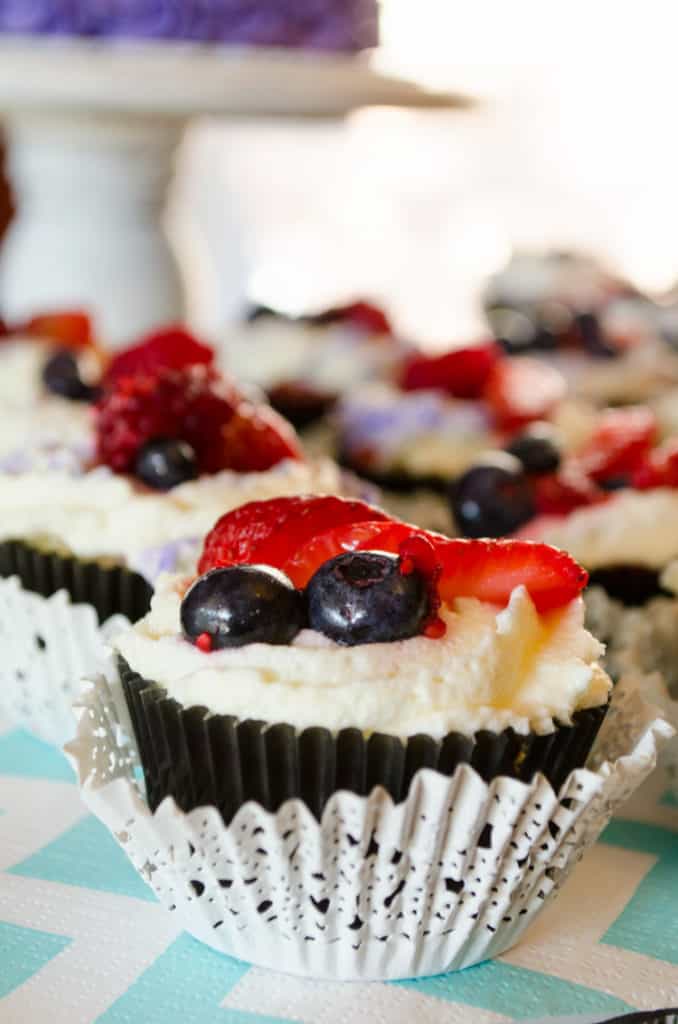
(376, 890)
(200, 759)
(48, 645)
(642, 644)
(633, 585)
(110, 590)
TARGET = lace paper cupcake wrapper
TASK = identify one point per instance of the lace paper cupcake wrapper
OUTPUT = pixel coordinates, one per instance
(203, 759)
(48, 645)
(448, 877)
(110, 590)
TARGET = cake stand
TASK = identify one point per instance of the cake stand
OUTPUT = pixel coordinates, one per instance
(93, 128)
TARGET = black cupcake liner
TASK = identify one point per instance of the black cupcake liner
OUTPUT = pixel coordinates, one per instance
(633, 585)
(399, 481)
(202, 759)
(669, 1016)
(111, 590)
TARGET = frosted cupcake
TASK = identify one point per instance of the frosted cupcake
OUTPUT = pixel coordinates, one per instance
(415, 436)
(346, 727)
(304, 364)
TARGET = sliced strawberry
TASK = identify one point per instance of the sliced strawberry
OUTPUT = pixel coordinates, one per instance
(490, 570)
(256, 438)
(620, 445)
(370, 535)
(521, 390)
(273, 532)
(463, 373)
(171, 348)
(67, 330)
(658, 469)
(562, 492)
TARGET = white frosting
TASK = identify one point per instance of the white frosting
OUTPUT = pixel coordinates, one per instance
(331, 358)
(633, 527)
(492, 669)
(99, 514)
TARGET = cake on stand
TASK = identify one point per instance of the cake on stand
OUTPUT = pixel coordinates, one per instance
(92, 130)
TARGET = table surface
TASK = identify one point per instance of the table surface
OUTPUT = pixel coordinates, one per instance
(82, 939)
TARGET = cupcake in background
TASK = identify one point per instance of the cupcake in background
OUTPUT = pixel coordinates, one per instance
(346, 727)
(613, 345)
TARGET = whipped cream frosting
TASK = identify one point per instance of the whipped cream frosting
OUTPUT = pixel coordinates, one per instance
(631, 528)
(494, 668)
(97, 514)
(331, 358)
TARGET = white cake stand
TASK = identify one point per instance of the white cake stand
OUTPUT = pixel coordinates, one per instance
(93, 129)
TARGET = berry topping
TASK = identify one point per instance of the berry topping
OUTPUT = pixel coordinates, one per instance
(537, 449)
(273, 532)
(463, 372)
(172, 348)
(300, 403)
(587, 328)
(69, 330)
(61, 376)
(620, 445)
(165, 463)
(485, 569)
(492, 498)
(365, 598)
(194, 405)
(520, 391)
(559, 493)
(659, 469)
(361, 315)
(245, 604)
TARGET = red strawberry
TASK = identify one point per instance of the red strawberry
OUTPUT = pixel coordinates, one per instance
(274, 532)
(194, 405)
(463, 372)
(562, 492)
(68, 329)
(490, 570)
(298, 535)
(362, 315)
(521, 390)
(171, 348)
(659, 469)
(620, 445)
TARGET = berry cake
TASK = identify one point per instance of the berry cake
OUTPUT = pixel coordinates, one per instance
(612, 344)
(343, 624)
(172, 443)
(341, 25)
(306, 363)
(49, 368)
(415, 435)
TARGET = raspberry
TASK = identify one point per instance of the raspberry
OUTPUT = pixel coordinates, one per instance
(195, 405)
(171, 348)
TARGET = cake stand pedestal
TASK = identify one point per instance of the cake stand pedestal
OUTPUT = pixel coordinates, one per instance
(92, 131)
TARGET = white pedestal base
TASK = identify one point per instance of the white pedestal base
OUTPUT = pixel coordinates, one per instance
(89, 233)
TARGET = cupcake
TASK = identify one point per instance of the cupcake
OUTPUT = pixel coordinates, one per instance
(170, 445)
(362, 743)
(304, 364)
(613, 345)
(416, 435)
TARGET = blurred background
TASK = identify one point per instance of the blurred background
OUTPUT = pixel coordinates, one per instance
(573, 145)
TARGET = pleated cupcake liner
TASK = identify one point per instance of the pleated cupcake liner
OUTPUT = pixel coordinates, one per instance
(199, 758)
(48, 645)
(374, 889)
(632, 585)
(110, 590)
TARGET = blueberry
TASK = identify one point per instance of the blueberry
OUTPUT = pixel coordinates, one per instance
(593, 338)
(493, 498)
(243, 604)
(615, 483)
(164, 463)
(363, 598)
(537, 449)
(61, 376)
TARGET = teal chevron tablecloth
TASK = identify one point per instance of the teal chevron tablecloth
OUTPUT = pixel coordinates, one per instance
(82, 939)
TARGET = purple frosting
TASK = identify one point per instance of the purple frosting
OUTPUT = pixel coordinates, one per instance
(317, 24)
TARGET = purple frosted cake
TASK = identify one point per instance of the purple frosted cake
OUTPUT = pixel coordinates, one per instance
(339, 25)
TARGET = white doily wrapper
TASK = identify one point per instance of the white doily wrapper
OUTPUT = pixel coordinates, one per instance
(48, 646)
(446, 879)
